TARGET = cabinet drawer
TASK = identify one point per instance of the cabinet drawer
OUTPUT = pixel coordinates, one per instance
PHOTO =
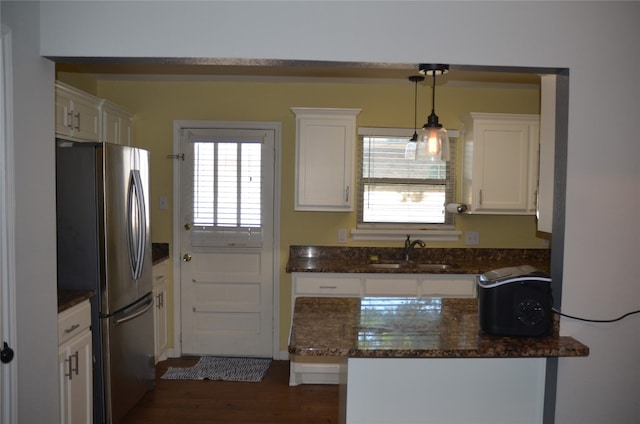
(159, 272)
(326, 286)
(390, 287)
(449, 288)
(74, 321)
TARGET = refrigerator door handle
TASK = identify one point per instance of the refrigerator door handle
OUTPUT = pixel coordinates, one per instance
(137, 223)
(144, 308)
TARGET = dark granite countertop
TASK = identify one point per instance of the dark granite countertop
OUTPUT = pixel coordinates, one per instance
(409, 328)
(462, 260)
(70, 298)
(159, 252)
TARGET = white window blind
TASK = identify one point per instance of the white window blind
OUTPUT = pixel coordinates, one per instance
(395, 189)
(227, 190)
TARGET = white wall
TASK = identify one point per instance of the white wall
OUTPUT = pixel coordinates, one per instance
(35, 268)
(597, 41)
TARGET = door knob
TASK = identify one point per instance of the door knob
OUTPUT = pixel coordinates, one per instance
(6, 354)
(186, 257)
(187, 226)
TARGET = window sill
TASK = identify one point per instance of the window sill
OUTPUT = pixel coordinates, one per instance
(401, 234)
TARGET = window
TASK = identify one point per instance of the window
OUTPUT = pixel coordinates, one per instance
(223, 185)
(226, 184)
(398, 191)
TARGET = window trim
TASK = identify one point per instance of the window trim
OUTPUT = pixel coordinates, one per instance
(395, 232)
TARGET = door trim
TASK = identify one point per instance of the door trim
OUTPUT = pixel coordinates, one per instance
(8, 329)
(178, 126)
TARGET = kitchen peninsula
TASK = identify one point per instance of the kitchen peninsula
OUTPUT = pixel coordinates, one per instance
(415, 360)
(421, 359)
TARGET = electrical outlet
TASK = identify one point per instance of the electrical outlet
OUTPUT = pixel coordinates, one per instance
(471, 238)
(342, 235)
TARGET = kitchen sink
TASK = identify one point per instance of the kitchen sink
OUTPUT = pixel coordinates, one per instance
(389, 265)
(398, 265)
(435, 266)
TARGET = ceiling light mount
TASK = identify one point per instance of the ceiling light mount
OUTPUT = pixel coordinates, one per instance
(433, 69)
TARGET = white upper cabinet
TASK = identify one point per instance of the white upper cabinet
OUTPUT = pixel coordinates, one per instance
(500, 163)
(77, 114)
(548, 84)
(325, 151)
(117, 124)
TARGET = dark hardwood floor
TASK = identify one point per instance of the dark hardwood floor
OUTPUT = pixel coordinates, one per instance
(271, 401)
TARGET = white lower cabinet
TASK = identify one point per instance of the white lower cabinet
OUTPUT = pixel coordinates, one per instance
(75, 364)
(326, 370)
(160, 310)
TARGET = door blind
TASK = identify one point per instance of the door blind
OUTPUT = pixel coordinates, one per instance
(226, 190)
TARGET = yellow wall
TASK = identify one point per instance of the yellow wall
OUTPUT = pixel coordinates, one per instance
(157, 104)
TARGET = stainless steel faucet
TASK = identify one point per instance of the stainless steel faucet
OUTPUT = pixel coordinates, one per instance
(410, 245)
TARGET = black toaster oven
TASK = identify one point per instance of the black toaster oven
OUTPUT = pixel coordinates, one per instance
(515, 301)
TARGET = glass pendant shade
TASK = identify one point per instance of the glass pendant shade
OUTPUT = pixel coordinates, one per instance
(435, 142)
(433, 137)
(411, 150)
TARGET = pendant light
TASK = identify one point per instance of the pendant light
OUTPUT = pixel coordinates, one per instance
(411, 151)
(433, 136)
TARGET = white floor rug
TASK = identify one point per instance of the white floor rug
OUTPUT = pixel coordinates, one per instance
(223, 369)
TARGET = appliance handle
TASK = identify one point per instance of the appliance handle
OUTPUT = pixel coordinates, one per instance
(137, 224)
(144, 308)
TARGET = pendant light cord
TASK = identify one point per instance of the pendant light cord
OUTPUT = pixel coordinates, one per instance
(433, 94)
(415, 79)
(415, 109)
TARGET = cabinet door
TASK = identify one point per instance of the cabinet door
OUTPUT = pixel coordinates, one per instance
(110, 127)
(325, 146)
(160, 319)
(116, 124)
(544, 203)
(500, 173)
(77, 114)
(125, 130)
(76, 380)
(462, 285)
(63, 114)
(391, 286)
(64, 386)
(501, 162)
(86, 119)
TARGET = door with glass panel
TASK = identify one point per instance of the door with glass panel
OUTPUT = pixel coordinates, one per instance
(226, 194)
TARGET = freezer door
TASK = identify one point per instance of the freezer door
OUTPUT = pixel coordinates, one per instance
(128, 358)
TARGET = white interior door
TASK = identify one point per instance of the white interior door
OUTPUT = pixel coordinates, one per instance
(227, 242)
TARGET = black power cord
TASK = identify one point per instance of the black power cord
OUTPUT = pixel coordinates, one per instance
(596, 320)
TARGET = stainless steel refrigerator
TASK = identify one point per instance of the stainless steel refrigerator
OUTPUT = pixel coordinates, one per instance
(103, 236)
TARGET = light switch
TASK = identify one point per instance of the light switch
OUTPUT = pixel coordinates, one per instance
(163, 203)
